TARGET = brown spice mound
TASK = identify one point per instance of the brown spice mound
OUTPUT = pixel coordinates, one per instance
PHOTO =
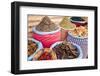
(46, 25)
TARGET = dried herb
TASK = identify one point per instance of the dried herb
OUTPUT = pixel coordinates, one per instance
(66, 50)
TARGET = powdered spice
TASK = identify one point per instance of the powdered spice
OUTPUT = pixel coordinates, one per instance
(46, 25)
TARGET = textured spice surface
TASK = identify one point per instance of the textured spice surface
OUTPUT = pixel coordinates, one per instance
(46, 25)
(66, 50)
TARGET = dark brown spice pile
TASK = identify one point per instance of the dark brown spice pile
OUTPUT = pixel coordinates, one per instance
(66, 50)
(46, 25)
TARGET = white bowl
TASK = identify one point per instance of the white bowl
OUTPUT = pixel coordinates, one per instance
(45, 33)
(40, 46)
(78, 47)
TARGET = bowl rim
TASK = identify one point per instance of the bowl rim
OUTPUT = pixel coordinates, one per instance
(40, 46)
(78, 47)
(77, 21)
(76, 36)
(45, 33)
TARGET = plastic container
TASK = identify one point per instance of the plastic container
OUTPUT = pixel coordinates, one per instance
(64, 33)
(47, 38)
(66, 26)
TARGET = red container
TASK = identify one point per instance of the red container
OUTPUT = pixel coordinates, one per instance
(47, 38)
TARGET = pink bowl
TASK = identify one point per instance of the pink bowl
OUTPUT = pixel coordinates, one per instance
(47, 39)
